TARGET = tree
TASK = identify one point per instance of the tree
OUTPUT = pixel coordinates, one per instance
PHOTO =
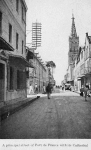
(50, 65)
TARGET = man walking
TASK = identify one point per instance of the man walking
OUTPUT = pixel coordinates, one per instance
(48, 90)
(85, 92)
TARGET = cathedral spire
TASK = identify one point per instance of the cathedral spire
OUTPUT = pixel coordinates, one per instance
(73, 28)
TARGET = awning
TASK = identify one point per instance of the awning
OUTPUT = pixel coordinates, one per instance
(79, 78)
(83, 75)
(19, 60)
(4, 45)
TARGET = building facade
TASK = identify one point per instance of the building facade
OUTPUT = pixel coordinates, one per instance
(82, 69)
(37, 76)
(12, 49)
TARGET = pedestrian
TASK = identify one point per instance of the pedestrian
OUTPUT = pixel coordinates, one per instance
(36, 88)
(62, 87)
(81, 90)
(30, 89)
(48, 90)
(44, 91)
(85, 92)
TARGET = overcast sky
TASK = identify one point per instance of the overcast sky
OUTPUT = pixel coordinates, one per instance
(55, 17)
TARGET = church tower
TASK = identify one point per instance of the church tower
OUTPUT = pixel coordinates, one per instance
(73, 44)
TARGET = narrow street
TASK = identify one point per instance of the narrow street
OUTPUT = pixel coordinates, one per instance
(65, 116)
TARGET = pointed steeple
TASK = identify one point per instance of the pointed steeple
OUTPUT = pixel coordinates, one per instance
(73, 28)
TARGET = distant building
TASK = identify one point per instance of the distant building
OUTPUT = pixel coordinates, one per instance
(37, 75)
(82, 69)
(79, 61)
(87, 58)
(78, 69)
(73, 51)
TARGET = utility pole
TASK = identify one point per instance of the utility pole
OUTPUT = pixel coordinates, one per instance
(36, 35)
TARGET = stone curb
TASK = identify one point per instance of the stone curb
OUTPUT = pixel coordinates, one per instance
(11, 110)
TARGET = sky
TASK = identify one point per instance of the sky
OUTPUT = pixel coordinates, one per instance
(55, 17)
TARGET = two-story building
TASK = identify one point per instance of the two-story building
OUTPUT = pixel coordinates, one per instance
(82, 69)
(87, 59)
(37, 75)
(12, 49)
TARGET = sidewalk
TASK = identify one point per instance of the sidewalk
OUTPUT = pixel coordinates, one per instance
(10, 107)
(76, 91)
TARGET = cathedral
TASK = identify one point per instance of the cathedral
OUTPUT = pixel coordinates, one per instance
(73, 44)
(73, 51)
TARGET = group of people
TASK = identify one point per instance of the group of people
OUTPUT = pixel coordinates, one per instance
(84, 91)
(32, 89)
(47, 89)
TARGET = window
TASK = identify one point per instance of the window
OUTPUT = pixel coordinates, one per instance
(0, 22)
(82, 55)
(17, 40)
(11, 78)
(22, 46)
(1, 71)
(10, 33)
(17, 5)
(18, 79)
(23, 14)
(21, 80)
(87, 51)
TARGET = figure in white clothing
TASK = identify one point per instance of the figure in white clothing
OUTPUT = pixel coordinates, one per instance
(31, 89)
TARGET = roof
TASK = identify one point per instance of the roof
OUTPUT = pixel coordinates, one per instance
(25, 4)
(20, 60)
(73, 28)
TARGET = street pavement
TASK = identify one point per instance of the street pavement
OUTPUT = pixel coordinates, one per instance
(65, 116)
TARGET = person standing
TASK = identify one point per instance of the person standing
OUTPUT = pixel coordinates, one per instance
(30, 89)
(81, 90)
(44, 89)
(48, 90)
(36, 88)
(85, 92)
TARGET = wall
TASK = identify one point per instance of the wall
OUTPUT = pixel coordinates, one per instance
(10, 15)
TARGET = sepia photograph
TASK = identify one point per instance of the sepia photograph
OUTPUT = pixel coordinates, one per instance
(45, 74)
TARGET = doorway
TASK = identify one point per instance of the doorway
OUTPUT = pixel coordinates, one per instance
(2, 81)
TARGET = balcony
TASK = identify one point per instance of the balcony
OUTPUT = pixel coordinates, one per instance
(87, 70)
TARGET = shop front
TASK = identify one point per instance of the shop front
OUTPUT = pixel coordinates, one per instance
(16, 77)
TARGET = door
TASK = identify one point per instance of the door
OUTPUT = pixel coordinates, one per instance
(2, 81)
